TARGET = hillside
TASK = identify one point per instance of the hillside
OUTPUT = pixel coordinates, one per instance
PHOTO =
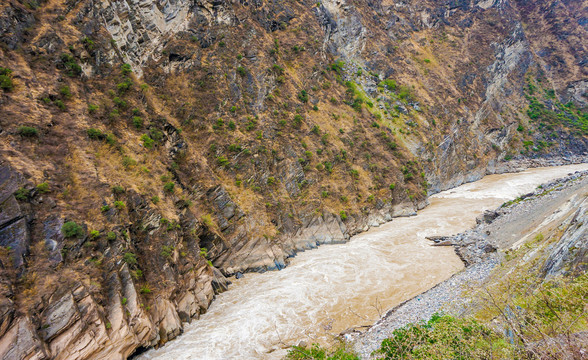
(150, 149)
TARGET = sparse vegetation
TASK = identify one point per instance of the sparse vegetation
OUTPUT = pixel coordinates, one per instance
(70, 229)
(27, 131)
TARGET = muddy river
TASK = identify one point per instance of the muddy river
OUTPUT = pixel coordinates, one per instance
(325, 291)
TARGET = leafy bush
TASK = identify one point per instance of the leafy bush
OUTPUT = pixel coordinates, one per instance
(222, 161)
(388, 84)
(303, 96)
(241, 71)
(316, 352)
(60, 104)
(43, 188)
(95, 134)
(130, 258)
(65, 91)
(124, 86)
(71, 66)
(167, 251)
(169, 187)
(147, 141)
(343, 215)
(27, 131)
(137, 122)
(338, 67)
(117, 189)
(71, 229)
(445, 337)
(22, 194)
(119, 205)
(297, 120)
(126, 69)
(92, 108)
(6, 83)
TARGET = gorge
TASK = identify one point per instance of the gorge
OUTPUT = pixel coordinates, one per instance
(153, 150)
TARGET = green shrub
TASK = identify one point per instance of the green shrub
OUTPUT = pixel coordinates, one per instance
(27, 131)
(104, 208)
(303, 96)
(155, 199)
(94, 234)
(124, 86)
(297, 120)
(119, 205)
(392, 186)
(65, 91)
(241, 71)
(220, 123)
(130, 258)
(95, 134)
(343, 215)
(207, 220)
(71, 229)
(22, 194)
(169, 187)
(126, 69)
(88, 43)
(6, 83)
(137, 274)
(110, 139)
(137, 122)
(338, 67)
(325, 194)
(445, 337)
(124, 301)
(145, 289)
(60, 104)
(119, 102)
(70, 65)
(167, 251)
(271, 180)
(316, 352)
(147, 141)
(43, 188)
(155, 134)
(222, 161)
(389, 84)
(92, 108)
(128, 162)
(117, 189)
(235, 148)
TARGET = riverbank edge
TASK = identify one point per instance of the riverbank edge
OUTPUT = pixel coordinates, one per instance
(475, 272)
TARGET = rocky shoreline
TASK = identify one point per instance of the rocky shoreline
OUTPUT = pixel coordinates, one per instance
(478, 249)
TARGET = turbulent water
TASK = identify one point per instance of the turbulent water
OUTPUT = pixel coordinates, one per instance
(330, 289)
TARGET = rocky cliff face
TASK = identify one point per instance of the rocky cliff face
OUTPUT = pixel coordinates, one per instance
(151, 148)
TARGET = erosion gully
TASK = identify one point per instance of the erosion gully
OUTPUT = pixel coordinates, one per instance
(325, 291)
